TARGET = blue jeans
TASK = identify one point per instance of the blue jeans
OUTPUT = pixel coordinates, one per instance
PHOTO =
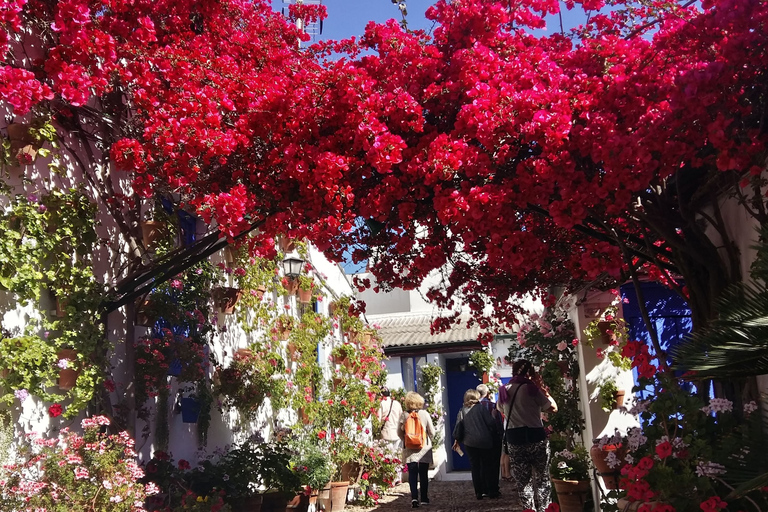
(419, 471)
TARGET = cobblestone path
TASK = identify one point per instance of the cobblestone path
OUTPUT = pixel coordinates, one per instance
(445, 496)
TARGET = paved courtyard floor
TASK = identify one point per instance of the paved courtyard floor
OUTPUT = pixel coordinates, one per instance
(445, 496)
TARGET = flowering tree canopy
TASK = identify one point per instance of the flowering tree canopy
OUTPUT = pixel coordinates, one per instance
(517, 162)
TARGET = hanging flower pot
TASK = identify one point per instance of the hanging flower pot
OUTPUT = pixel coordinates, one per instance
(486, 378)
(293, 351)
(332, 307)
(144, 317)
(304, 416)
(260, 291)
(287, 244)
(284, 327)
(336, 382)
(190, 410)
(305, 296)
(618, 398)
(291, 285)
(226, 298)
(151, 232)
(599, 455)
(604, 328)
(67, 364)
(174, 370)
(353, 336)
(572, 494)
(61, 307)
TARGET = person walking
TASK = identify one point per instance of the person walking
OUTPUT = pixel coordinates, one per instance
(417, 453)
(477, 430)
(522, 401)
(494, 461)
(389, 414)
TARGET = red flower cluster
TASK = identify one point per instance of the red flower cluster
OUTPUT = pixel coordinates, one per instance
(641, 359)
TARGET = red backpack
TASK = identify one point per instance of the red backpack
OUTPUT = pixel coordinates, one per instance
(414, 432)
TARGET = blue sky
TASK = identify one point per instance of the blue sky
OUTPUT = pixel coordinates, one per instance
(349, 17)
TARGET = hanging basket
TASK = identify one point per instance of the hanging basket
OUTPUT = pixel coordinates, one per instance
(226, 298)
(291, 285)
(68, 376)
(287, 244)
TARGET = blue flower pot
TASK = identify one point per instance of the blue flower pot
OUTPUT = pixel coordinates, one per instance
(175, 368)
(190, 410)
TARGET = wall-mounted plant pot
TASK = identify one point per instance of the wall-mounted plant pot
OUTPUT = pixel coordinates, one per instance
(293, 351)
(352, 335)
(618, 399)
(305, 296)
(336, 382)
(174, 369)
(151, 233)
(486, 378)
(190, 410)
(610, 475)
(143, 316)
(291, 285)
(68, 376)
(226, 298)
(286, 244)
(260, 291)
(243, 353)
(304, 417)
(332, 307)
(605, 336)
(61, 307)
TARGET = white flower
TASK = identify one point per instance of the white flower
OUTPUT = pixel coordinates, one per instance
(718, 405)
(562, 465)
(635, 438)
(750, 407)
(612, 460)
(709, 469)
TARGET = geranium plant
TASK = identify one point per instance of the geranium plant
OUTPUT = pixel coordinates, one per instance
(94, 471)
(571, 464)
(251, 377)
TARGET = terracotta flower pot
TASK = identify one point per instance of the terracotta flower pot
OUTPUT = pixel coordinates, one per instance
(260, 291)
(226, 298)
(305, 296)
(332, 308)
(605, 336)
(299, 503)
(352, 336)
(291, 285)
(304, 417)
(68, 376)
(275, 501)
(293, 351)
(61, 307)
(572, 494)
(618, 399)
(286, 244)
(250, 504)
(610, 475)
(633, 506)
(143, 317)
(338, 495)
(151, 232)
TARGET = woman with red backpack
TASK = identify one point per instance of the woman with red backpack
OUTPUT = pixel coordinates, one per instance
(416, 430)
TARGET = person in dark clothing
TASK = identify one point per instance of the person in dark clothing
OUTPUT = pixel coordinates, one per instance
(476, 430)
(492, 464)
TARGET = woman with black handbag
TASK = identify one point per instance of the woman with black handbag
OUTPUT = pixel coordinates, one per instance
(522, 401)
(477, 429)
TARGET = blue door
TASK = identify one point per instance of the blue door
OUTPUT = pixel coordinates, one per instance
(459, 377)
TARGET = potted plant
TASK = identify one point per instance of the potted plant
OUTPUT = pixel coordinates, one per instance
(312, 465)
(344, 354)
(482, 360)
(611, 397)
(251, 378)
(226, 298)
(306, 284)
(284, 324)
(105, 477)
(569, 470)
(608, 455)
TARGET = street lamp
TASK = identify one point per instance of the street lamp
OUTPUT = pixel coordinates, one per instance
(292, 264)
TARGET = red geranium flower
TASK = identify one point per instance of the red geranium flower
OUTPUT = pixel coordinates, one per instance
(55, 410)
(664, 450)
(321, 434)
(183, 464)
